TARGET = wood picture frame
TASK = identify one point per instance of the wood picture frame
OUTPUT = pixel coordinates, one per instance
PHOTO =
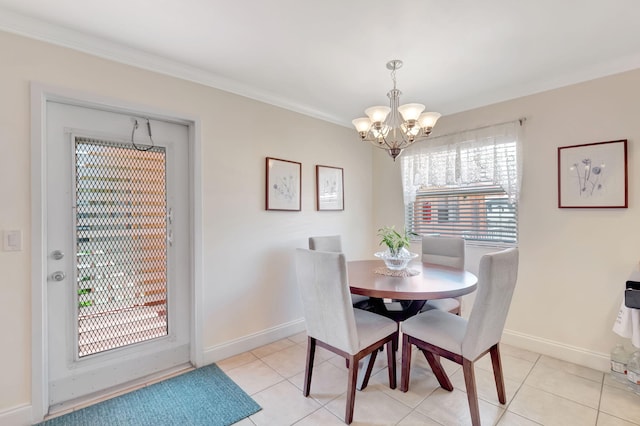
(329, 188)
(593, 175)
(283, 185)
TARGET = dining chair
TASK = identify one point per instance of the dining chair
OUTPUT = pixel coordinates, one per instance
(332, 322)
(445, 251)
(441, 334)
(333, 243)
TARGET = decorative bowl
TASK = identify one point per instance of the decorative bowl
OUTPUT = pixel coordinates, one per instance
(397, 262)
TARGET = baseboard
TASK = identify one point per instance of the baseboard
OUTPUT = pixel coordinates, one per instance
(17, 416)
(597, 361)
(252, 341)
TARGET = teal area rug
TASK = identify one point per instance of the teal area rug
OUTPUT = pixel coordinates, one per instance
(205, 396)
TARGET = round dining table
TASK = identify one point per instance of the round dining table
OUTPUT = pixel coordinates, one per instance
(431, 282)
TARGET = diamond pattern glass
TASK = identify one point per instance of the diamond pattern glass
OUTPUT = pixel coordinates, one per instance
(121, 245)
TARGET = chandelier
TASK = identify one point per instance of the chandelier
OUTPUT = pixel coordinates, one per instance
(395, 127)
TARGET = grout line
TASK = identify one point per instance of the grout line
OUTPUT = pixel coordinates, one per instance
(508, 404)
(538, 362)
(600, 398)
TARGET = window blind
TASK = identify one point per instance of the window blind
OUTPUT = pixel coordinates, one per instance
(481, 214)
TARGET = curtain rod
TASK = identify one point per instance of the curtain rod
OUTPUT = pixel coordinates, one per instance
(520, 120)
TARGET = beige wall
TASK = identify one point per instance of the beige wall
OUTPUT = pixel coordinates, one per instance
(248, 285)
(573, 262)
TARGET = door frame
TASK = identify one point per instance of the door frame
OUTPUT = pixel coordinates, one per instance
(40, 95)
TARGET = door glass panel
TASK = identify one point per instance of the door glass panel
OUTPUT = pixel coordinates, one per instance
(121, 245)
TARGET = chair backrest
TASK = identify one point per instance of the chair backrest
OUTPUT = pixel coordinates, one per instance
(330, 243)
(323, 284)
(444, 251)
(496, 281)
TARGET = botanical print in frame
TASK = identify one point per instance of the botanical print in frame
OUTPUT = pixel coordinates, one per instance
(593, 175)
(283, 184)
(329, 188)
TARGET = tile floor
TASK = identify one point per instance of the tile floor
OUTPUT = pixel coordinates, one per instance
(540, 391)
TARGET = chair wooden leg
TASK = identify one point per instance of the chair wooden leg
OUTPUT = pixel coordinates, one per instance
(367, 372)
(497, 373)
(406, 363)
(472, 394)
(391, 363)
(438, 370)
(311, 353)
(351, 388)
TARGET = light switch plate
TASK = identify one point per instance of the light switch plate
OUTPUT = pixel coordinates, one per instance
(12, 240)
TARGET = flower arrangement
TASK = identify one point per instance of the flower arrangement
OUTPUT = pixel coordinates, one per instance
(394, 240)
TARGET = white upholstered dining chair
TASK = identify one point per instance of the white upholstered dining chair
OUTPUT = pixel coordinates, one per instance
(445, 251)
(437, 333)
(333, 323)
(333, 243)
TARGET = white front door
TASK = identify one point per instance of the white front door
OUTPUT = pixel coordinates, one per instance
(118, 246)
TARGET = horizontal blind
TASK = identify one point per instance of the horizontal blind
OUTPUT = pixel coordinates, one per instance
(120, 245)
(481, 213)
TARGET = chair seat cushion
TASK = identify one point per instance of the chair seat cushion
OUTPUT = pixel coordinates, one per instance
(438, 328)
(446, 305)
(372, 327)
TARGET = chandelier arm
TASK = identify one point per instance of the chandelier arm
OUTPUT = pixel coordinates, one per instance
(376, 141)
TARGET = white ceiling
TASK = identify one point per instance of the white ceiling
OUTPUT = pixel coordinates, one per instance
(327, 58)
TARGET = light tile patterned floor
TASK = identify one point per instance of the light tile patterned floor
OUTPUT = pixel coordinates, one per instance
(540, 391)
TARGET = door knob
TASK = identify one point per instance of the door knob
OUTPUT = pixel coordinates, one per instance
(58, 276)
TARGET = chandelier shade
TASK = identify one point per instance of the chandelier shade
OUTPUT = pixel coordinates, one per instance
(395, 127)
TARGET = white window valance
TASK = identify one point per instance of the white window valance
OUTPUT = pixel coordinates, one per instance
(488, 155)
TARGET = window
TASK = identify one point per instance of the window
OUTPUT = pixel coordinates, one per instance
(465, 185)
(121, 245)
(481, 213)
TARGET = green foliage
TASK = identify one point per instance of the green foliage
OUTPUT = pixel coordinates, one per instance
(395, 240)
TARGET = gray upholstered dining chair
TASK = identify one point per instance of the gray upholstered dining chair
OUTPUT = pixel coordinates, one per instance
(333, 243)
(445, 251)
(437, 333)
(332, 322)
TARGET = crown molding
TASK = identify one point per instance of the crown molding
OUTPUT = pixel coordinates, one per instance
(44, 31)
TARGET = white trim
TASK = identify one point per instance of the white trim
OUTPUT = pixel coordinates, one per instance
(40, 95)
(41, 30)
(195, 185)
(18, 416)
(39, 369)
(597, 361)
(252, 341)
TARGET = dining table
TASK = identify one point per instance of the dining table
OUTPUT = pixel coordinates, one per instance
(401, 294)
(427, 282)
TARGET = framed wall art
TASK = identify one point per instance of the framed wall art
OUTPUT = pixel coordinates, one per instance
(283, 184)
(593, 175)
(329, 188)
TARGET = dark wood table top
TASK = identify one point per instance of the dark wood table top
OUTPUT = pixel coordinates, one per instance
(433, 281)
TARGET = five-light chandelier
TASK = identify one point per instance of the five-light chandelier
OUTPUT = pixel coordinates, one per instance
(395, 127)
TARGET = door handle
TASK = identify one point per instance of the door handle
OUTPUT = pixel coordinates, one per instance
(58, 276)
(57, 254)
